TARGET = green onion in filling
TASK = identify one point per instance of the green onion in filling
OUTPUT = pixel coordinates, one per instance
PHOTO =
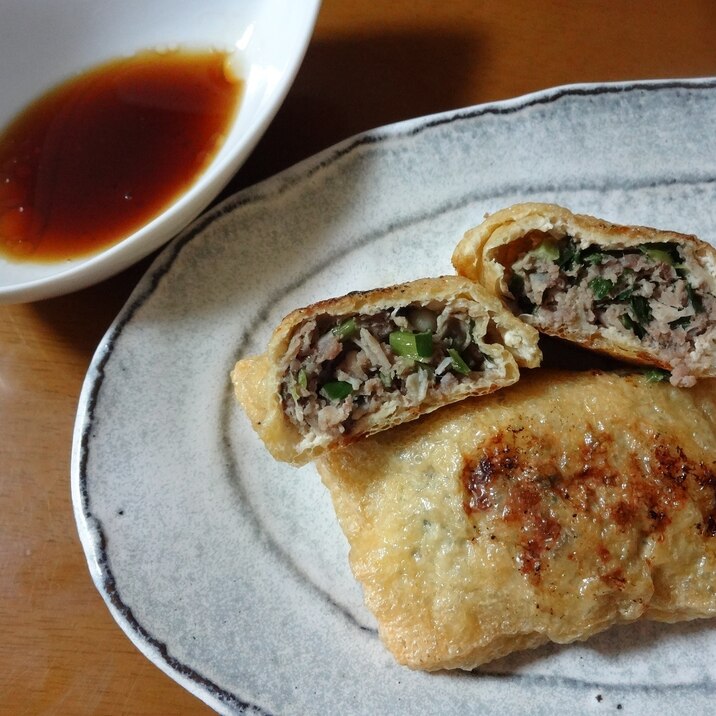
(640, 307)
(346, 329)
(625, 291)
(548, 249)
(662, 252)
(457, 363)
(657, 255)
(601, 287)
(302, 378)
(412, 345)
(680, 322)
(593, 257)
(628, 322)
(568, 255)
(337, 390)
(656, 375)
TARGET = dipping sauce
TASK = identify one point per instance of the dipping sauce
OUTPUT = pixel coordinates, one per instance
(97, 157)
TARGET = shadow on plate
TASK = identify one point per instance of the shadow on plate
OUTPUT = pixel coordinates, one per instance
(620, 640)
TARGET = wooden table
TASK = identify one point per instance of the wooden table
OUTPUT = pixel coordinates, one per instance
(369, 63)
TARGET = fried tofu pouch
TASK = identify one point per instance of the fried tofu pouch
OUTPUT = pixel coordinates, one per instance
(635, 293)
(352, 366)
(547, 511)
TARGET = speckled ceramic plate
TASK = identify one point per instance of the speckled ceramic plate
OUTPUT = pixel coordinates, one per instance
(227, 569)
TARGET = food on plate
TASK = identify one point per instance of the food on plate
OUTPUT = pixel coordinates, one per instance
(351, 366)
(547, 511)
(633, 292)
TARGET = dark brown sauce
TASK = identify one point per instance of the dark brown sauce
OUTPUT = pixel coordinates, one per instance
(97, 157)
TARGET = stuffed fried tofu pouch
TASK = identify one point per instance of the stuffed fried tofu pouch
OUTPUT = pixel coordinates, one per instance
(547, 511)
(354, 365)
(633, 292)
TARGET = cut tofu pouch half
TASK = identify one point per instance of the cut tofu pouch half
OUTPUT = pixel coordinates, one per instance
(351, 366)
(636, 293)
(547, 511)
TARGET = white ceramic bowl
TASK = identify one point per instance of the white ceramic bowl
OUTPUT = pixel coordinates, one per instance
(43, 43)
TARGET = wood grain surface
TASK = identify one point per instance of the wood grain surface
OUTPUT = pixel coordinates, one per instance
(369, 63)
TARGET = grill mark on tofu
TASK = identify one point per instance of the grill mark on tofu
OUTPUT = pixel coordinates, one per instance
(652, 294)
(539, 498)
(340, 370)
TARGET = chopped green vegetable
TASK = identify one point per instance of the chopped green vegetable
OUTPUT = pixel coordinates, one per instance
(662, 251)
(593, 257)
(469, 337)
(656, 375)
(695, 299)
(623, 286)
(680, 322)
(385, 379)
(601, 287)
(658, 255)
(424, 344)
(627, 322)
(548, 249)
(642, 310)
(626, 293)
(337, 390)
(302, 378)
(457, 363)
(346, 329)
(568, 255)
(412, 345)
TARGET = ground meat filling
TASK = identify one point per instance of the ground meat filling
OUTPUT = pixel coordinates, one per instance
(340, 369)
(649, 292)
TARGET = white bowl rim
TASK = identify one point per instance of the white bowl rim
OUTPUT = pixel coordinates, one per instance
(122, 254)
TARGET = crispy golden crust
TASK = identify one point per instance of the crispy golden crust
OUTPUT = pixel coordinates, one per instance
(486, 250)
(547, 511)
(257, 380)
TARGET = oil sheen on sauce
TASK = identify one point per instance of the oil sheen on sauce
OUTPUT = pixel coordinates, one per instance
(99, 156)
